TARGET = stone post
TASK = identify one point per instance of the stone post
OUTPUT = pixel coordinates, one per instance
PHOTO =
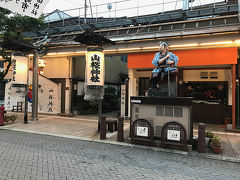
(103, 127)
(120, 134)
(201, 138)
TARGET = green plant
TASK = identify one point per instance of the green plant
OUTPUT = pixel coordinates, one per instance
(10, 118)
(216, 141)
(209, 134)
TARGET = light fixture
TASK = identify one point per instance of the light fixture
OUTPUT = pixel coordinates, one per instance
(183, 45)
(153, 48)
(216, 43)
(42, 64)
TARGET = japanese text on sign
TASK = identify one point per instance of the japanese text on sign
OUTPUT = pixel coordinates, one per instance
(95, 68)
(32, 8)
(50, 100)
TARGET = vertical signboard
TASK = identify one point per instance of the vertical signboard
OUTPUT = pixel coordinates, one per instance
(19, 69)
(95, 68)
(123, 100)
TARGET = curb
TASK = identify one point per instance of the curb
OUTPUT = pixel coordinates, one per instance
(157, 149)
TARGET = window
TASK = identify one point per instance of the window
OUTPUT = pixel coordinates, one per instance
(169, 111)
(213, 75)
(124, 59)
(1, 64)
(204, 75)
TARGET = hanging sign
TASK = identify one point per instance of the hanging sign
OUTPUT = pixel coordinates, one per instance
(32, 8)
(19, 68)
(95, 68)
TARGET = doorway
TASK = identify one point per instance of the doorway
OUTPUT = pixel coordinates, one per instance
(144, 85)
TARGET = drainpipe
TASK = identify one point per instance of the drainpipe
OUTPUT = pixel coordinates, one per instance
(237, 104)
(234, 96)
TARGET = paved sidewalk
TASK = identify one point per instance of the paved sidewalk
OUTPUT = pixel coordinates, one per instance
(85, 128)
(26, 156)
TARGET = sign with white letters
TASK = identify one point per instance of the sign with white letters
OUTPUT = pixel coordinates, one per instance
(32, 8)
(173, 135)
(142, 131)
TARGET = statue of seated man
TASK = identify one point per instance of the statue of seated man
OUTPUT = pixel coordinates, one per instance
(163, 61)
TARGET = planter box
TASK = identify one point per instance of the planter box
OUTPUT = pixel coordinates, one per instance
(216, 150)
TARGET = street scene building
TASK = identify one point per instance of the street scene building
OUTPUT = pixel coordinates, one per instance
(127, 89)
(205, 38)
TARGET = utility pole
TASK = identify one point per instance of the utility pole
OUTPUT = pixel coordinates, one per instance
(35, 87)
(85, 12)
(185, 4)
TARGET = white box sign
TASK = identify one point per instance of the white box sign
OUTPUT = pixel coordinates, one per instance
(142, 131)
(173, 135)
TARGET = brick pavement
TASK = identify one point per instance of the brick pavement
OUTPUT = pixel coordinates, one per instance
(85, 127)
(26, 156)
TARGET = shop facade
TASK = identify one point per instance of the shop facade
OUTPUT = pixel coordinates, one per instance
(206, 74)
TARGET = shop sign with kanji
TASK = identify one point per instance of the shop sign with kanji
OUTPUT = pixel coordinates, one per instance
(32, 8)
(19, 70)
(95, 68)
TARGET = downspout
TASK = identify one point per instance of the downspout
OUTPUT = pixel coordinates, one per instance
(237, 104)
(234, 96)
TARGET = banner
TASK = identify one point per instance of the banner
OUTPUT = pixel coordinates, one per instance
(19, 69)
(95, 68)
(32, 8)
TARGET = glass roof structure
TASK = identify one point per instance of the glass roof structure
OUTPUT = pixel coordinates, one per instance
(56, 15)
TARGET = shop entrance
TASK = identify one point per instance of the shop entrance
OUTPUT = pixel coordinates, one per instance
(144, 85)
(210, 101)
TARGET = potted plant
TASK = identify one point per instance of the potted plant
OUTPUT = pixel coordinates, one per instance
(208, 138)
(216, 144)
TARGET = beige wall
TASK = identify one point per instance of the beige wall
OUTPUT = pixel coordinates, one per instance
(56, 68)
(194, 75)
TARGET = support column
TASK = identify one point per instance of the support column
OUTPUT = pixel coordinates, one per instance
(26, 95)
(234, 96)
(67, 96)
(35, 87)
